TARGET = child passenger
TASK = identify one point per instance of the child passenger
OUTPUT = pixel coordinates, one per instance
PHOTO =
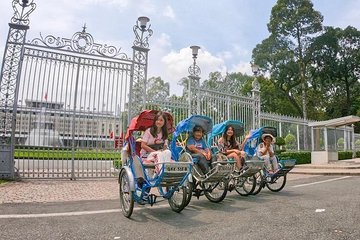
(199, 149)
(228, 146)
(265, 150)
(154, 143)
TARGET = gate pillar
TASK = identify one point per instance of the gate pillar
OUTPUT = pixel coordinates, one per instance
(9, 85)
(256, 101)
(138, 81)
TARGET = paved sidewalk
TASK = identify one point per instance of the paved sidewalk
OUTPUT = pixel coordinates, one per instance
(341, 167)
(44, 191)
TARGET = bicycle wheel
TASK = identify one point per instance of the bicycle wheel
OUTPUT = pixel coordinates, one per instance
(259, 183)
(189, 189)
(215, 191)
(246, 185)
(126, 196)
(276, 184)
(178, 200)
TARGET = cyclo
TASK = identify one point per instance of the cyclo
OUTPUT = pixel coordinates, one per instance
(214, 184)
(245, 182)
(136, 182)
(276, 181)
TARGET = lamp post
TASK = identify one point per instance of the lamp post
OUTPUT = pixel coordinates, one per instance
(256, 95)
(143, 32)
(194, 71)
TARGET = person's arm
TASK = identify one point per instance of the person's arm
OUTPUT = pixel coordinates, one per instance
(190, 144)
(166, 145)
(193, 149)
(262, 150)
(207, 150)
(146, 147)
(145, 141)
(271, 151)
(244, 141)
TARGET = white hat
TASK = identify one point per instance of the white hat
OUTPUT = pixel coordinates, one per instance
(268, 135)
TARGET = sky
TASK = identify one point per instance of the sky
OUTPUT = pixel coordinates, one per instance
(227, 31)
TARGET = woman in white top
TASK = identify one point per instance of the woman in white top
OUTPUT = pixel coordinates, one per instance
(154, 143)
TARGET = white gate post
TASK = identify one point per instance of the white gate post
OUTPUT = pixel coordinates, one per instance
(256, 97)
(139, 67)
(9, 84)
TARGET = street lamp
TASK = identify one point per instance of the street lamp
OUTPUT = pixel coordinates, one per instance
(256, 95)
(194, 71)
(255, 69)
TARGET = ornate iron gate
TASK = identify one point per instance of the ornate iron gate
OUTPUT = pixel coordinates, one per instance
(65, 102)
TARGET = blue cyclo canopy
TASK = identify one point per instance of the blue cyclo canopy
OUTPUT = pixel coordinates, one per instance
(219, 128)
(186, 126)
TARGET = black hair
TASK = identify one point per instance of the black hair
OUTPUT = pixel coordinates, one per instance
(232, 138)
(198, 128)
(164, 130)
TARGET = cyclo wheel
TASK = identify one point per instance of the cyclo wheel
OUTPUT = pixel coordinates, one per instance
(259, 183)
(277, 184)
(245, 186)
(189, 190)
(126, 196)
(177, 201)
(215, 191)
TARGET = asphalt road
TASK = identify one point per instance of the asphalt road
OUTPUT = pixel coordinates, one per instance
(313, 207)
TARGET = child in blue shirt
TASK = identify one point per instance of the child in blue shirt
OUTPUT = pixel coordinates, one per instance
(198, 149)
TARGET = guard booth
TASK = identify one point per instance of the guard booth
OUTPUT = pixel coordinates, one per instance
(324, 136)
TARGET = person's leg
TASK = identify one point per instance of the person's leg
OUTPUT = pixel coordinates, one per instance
(163, 156)
(236, 157)
(202, 162)
(275, 165)
(267, 163)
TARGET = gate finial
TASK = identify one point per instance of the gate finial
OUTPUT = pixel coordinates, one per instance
(22, 10)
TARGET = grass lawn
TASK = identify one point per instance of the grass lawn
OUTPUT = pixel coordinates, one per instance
(3, 181)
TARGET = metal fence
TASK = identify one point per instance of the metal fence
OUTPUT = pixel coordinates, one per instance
(65, 102)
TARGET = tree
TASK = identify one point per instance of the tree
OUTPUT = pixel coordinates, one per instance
(335, 67)
(293, 24)
(157, 89)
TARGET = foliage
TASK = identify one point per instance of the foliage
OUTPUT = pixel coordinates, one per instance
(301, 157)
(305, 157)
(335, 70)
(293, 24)
(280, 141)
(345, 155)
(290, 141)
(357, 143)
(65, 154)
(157, 89)
(340, 142)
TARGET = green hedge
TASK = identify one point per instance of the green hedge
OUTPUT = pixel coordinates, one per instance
(347, 155)
(301, 157)
(305, 157)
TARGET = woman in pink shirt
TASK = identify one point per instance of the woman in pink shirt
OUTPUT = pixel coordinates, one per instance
(154, 143)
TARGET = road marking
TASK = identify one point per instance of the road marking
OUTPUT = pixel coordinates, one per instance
(320, 210)
(66, 214)
(313, 183)
(63, 214)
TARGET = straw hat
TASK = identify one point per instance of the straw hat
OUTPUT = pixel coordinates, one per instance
(268, 135)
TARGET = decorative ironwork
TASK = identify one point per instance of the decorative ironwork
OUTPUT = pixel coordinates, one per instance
(81, 42)
(194, 70)
(142, 32)
(22, 10)
(137, 96)
(194, 79)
